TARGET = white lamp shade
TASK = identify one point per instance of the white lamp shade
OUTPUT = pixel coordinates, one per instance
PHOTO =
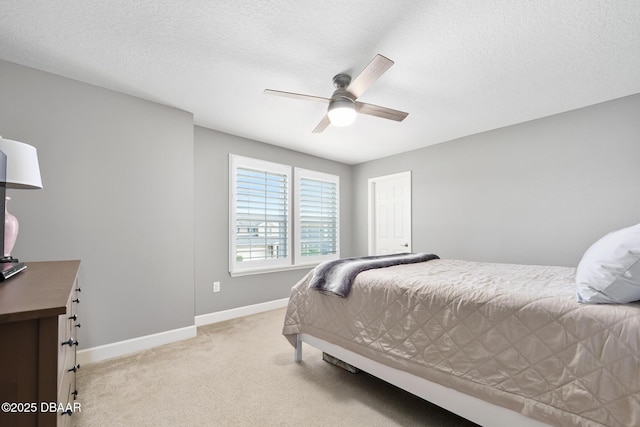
(23, 169)
(342, 112)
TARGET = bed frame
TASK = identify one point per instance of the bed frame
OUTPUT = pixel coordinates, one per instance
(469, 407)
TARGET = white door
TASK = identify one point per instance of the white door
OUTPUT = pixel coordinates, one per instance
(390, 214)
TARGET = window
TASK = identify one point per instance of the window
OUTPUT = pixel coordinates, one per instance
(317, 221)
(260, 207)
(260, 214)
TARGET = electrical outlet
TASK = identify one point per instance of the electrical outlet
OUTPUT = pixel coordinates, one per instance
(216, 286)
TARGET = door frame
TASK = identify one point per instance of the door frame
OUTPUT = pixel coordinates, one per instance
(371, 208)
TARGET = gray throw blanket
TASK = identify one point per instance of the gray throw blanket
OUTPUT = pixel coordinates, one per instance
(336, 277)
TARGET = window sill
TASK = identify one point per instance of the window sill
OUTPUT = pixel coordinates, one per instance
(270, 270)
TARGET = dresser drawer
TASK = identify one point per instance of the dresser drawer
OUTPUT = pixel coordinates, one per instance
(68, 325)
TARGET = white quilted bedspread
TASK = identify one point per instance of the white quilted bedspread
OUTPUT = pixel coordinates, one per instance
(512, 335)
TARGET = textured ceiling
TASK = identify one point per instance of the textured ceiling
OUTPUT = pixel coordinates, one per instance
(461, 67)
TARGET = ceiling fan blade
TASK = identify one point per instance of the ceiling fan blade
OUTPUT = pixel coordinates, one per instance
(324, 123)
(296, 95)
(370, 74)
(383, 112)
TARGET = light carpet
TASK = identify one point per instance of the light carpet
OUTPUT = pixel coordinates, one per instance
(242, 373)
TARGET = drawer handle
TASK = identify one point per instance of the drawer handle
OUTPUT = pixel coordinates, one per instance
(74, 317)
(77, 300)
(67, 412)
(78, 289)
(77, 325)
(74, 369)
(70, 342)
(75, 394)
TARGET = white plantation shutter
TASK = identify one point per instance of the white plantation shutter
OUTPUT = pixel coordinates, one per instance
(259, 214)
(261, 222)
(317, 216)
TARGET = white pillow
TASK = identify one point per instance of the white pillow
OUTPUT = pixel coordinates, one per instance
(609, 272)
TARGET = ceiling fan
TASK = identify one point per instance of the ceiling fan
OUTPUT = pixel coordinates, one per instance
(343, 104)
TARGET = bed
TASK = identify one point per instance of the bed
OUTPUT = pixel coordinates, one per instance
(499, 344)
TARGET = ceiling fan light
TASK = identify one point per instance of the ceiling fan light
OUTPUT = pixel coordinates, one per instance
(342, 112)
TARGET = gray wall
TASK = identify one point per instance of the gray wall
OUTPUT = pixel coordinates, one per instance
(118, 195)
(535, 193)
(212, 151)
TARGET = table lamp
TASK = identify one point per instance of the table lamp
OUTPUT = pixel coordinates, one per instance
(22, 172)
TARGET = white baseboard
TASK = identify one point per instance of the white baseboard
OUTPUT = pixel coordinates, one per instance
(221, 316)
(123, 348)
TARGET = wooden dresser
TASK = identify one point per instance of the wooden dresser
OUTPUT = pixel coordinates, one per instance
(38, 330)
